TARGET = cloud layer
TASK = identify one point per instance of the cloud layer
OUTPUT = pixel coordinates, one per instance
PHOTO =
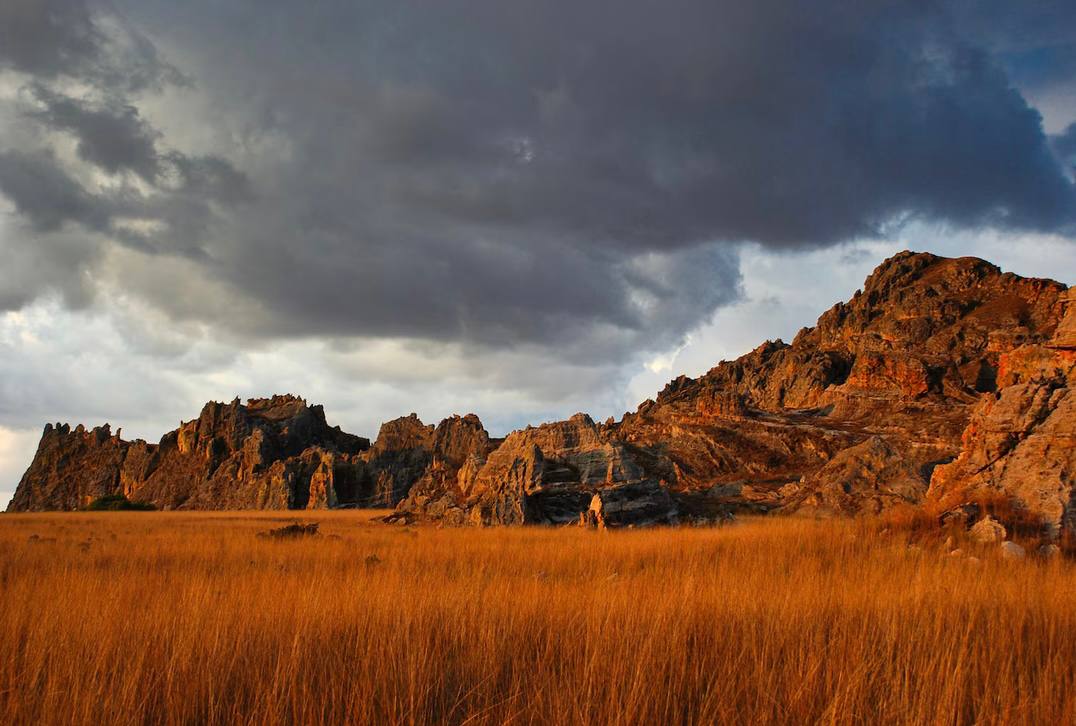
(504, 174)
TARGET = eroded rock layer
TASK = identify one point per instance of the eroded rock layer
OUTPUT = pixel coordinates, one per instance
(939, 373)
(1020, 442)
(272, 453)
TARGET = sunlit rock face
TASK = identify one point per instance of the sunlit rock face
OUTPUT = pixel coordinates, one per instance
(1021, 441)
(852, 417)
(940, 373)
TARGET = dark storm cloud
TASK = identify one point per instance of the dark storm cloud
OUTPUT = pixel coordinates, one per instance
(48, 37)
(75, 39)
(1065, 145)
(45, 194)
(114, 137)
(623, 125)
(1034, 40)
(575, 175)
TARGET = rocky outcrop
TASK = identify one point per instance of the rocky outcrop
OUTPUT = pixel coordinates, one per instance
(400, 454)
(939, 372)
(546, 474)
(856, 412)
(72, 467)
(274, 453)
(1020, 443)
(866, 478)
(1065, 337)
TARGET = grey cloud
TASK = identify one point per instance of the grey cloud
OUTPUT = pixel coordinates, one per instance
(209, 177)
(44, 193)
(1065, 145)
(47, 196)
(573, 176)
(113, 137)
(635, 127)
(57, 264)
(47, 37)
(80, 39)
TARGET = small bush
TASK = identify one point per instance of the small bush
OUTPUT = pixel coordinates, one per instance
(292, 531)
(118, 503)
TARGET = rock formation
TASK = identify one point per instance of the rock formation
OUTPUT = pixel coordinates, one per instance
(1020, 442)
(541, 474)
(854, 414)
(939, 373)
(274, 453)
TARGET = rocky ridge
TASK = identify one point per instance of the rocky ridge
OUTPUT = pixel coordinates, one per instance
(940, 374)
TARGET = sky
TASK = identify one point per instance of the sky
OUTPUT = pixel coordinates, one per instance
(520, 209)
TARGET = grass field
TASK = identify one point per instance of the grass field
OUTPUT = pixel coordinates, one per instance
(190, 618)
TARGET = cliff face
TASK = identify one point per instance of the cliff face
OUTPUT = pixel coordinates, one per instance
(939, 373)
(546, 474)
(1021, 441)
(901, 365)
(272, 453)
(851, 417)
(275, 453)
(71, 468)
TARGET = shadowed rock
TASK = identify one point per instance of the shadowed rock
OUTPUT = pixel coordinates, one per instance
(275, 453)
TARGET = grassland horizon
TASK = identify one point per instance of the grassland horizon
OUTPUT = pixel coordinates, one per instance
(191, 618)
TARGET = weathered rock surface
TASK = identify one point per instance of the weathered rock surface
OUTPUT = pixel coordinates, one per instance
(1020, 442)
(631, 505)
(863, 479)
(945, 372)
(855, 413)
(400, 454)
(275, 453)
(72, 467)
(543, 474)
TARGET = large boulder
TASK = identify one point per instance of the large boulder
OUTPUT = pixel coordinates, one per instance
(640, 504)
(866, 478)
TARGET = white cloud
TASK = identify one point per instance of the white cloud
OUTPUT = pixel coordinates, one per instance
(16, 452)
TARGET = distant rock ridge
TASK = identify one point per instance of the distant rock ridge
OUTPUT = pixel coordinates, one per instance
(272, 453)
(931, 377)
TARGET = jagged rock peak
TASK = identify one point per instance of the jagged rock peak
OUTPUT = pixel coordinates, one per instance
(273, 452)
(405, 432)
(1065, 335)
(458, 437)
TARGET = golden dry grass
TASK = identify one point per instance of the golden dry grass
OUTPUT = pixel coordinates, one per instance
(187, 618)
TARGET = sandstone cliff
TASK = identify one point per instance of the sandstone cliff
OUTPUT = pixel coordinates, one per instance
(271, 453)
(1020, 442)
(940, 372)
(851, 417)
(899, 365)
